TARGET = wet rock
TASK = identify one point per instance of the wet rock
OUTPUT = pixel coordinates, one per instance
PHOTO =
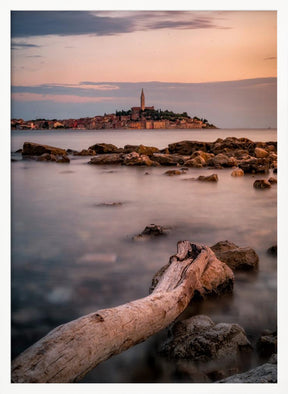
(260, 153)
(85, 152)
(209, 178)
(267, 344)
(141, 149)
(187, 147)
(262, 184)
(272, 250)
(108, 158)
(52, 157)
(173, 172)
(266, 373)
(151, 231)
(135, 159)
(245, 259)
(237, 172)
(200, 339)
(34, 149)
(197, 162)
(105, 148)
(272, 180)
(222, 160)
(206, 156)
(165, 159)
(254, 165)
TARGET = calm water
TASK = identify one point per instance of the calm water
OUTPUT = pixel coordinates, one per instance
(72, 256)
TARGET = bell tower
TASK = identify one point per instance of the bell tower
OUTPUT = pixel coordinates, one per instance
(142, 101)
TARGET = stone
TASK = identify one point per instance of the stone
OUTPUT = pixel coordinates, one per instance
(151, 231)
(237, 172)
(267, 345)
(135, 159)
(262, 184)
(222, 160)
(34, 149)
(85, 152)
(173, 172)
(165, 159)
(266, 373)
(209, 178)
(260, 153)
(245, 259)
(141, 149)
(272, 180)
(187, 147)
(200, 339)
(62, 159)
(197, 162)
(206, 156)
(254, 165)
(272, 250)
(107, 158)
(105, 148)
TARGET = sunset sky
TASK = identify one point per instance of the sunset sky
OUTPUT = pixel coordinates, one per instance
(221, 65)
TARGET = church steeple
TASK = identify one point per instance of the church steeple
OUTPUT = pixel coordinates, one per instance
(142, 100)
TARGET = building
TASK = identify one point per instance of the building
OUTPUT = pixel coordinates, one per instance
(137, 110)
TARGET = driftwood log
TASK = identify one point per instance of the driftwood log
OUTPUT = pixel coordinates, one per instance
(70, 351)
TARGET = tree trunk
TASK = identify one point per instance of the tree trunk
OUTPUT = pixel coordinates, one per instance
(71, 350)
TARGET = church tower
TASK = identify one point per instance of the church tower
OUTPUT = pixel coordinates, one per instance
(142, 101)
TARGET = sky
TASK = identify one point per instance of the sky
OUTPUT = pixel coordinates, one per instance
(219, 65)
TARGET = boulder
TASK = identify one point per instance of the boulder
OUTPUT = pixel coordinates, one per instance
(272, 180)
(107, 158)
(151, 231)
(200, 339)
(230, 144)
(254, 165)
(135, 159)
(267, 344)
(187, 147)
(209, 178)
(262, 184)
(222, 160)
(260, 153)
(85, 152)
(245, 259)
(173, 172)
(34, 149)
(51, 157)
(197, 162)
(141, 149)
(266, 373)
(165, 159)
(105, 148)
(237, 172)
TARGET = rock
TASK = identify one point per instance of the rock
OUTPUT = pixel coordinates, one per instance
(151, 231)
(85, 152)
(262, 184)
(260, 153)
(18, 151)
(105, 148)
(173, 172)
(71, 151)
(165, 159)
(141, 149)
(34, 149)
(109, 204)
(209, 178)
(200, 339)
(272, 250)
(275, 170)
(254, 165)
(237, 172)
(266, 373)
(107, 158)
(51, 157)
(230, 144)
(197, 162)
(135, 159)
(222, 160)
(245, 259)
(267, 345)
(187, 147)
(206, 156)
(272, 180)
(62, 159)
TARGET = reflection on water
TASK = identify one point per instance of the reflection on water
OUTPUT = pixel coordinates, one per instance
(72, 248)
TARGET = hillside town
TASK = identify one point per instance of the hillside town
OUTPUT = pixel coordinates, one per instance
(136, 118)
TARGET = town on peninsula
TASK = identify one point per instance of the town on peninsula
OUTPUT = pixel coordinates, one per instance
(141, 117)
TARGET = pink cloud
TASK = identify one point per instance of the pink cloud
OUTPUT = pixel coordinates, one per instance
(65, 98)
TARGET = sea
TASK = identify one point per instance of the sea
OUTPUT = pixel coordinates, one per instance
(73, 252)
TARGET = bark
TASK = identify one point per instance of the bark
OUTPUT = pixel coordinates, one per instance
(71, 350)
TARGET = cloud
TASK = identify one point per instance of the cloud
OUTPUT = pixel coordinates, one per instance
(68, 23)
(65, 98)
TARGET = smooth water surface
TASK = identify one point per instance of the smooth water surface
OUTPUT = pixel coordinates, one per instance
(72, 255)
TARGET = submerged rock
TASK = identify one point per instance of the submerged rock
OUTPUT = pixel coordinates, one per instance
(200, 339)
(173, 172)
(266, 373)
(209, 178)
(151, 231)
(236, 258)
(261, 184)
